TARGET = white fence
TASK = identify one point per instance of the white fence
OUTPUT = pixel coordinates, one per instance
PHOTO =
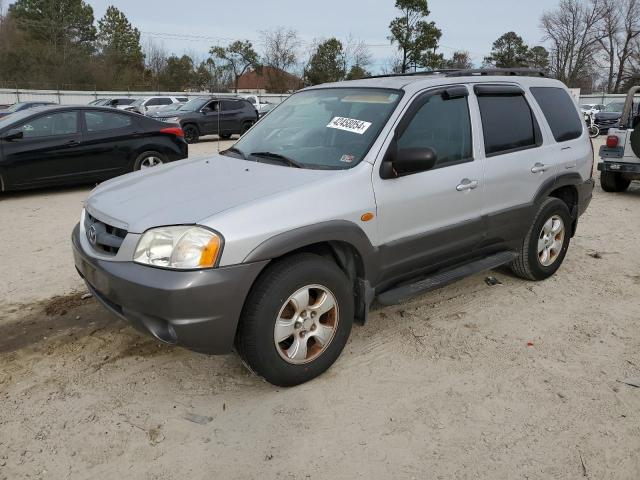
(9, 96)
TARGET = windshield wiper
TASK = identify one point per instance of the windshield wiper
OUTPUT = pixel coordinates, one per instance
(236, 150)
(276, 156)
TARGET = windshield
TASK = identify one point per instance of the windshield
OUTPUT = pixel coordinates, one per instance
(193, 105)
(138, 102)
(326, 128)
(614, 107)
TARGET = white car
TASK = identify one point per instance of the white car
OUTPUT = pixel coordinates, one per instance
(147, 105)
(257, 103)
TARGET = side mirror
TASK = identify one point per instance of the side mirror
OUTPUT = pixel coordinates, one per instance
(408, 161)
(14, 134)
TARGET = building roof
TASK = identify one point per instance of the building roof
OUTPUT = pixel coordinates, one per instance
(268, 78)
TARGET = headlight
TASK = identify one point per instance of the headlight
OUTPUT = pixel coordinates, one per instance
(179, 248)
(171, 120)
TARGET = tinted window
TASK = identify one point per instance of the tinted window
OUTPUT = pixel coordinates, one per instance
(101, 121)
(231, 105)
(182, 99)
(63, 123)
(154, 102)
(508, 123)
(444, 126)
(212, 106)
(124, 101)
(560, 112)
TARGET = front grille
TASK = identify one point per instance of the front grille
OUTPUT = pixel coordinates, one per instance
(103, 237)
(608, 123)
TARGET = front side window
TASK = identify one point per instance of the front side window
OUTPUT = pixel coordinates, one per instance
(508, 123)
(102, 121)
(329, 128)
(54, 124)
(444, 126)
(560, 112)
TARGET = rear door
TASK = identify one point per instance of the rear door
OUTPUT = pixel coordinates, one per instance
(49, 152)
(572, 152)
(231, 116)
(519, 160)
(110, 138)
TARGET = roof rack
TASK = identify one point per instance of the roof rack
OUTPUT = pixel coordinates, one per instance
(515, 72)
(480, 72)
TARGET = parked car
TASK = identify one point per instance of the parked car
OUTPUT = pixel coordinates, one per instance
(620, 155)
(257, 102)
(378, 188)
(118, 102)
(20, 106)
(63, 145)
(591, 108)
(266, 109)
(148, 105)
(211, 115)
(610, 116)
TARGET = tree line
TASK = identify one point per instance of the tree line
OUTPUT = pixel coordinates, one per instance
(591, 44)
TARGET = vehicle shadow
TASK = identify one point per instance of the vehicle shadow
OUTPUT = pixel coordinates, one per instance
(57, 190)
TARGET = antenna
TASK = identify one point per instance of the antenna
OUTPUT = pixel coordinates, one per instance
(219, 138)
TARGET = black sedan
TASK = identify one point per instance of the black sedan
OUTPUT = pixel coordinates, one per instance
(46, 146)
(223, 116)
(18, 107)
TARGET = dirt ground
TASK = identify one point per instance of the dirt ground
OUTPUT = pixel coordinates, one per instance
(514, 381)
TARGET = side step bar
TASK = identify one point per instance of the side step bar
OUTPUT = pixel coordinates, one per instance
(440, 279)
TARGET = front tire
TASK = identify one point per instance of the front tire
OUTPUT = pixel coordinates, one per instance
(613, 182)
(296, 320)
(545, 246)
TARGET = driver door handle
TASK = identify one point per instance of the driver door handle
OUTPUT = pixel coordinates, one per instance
(72, 143)
(466, 185)
(539, 168)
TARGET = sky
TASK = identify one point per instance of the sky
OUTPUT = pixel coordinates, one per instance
(194, 26)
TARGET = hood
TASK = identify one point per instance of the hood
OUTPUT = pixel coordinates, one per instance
(189, 191)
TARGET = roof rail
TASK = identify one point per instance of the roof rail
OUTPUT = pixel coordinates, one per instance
(455, 72)
(519, 72)
(442, 71)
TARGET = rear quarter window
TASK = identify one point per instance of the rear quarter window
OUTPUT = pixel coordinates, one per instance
(560, 111)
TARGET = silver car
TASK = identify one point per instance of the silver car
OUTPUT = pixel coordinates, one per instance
(376, 189)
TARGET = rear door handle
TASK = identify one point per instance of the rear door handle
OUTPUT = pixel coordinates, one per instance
(72, 143)
(539, 168)
(466, 185)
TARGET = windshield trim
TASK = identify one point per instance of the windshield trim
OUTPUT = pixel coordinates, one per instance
(400, 92)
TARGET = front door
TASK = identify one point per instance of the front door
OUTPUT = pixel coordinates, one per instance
(210, 121)
(49, 151)
(433, 217)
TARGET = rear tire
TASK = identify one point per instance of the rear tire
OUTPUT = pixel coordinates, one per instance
(191, 133)
(312, 328)
(613, 182)
(225, 136)
(545, 246)
(245, 127)
(594, 132)
(148, 160)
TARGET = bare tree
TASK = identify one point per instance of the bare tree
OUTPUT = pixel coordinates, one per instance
(155, 60)
(573, 33)
(281, 54)
(357, 57)
(627, 42)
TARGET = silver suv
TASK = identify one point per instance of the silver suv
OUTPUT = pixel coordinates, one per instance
(376, 189)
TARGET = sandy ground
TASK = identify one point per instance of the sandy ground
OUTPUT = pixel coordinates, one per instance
(514, 381)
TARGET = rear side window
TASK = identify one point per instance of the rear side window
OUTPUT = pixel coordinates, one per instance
(560, 112)
(231, 105)
(154, 102)
(508, 124)
(102, 121)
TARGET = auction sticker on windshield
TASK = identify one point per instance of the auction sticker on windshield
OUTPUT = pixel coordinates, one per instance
(349, 125)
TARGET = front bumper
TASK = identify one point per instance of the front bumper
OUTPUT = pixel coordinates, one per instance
(198, 310)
